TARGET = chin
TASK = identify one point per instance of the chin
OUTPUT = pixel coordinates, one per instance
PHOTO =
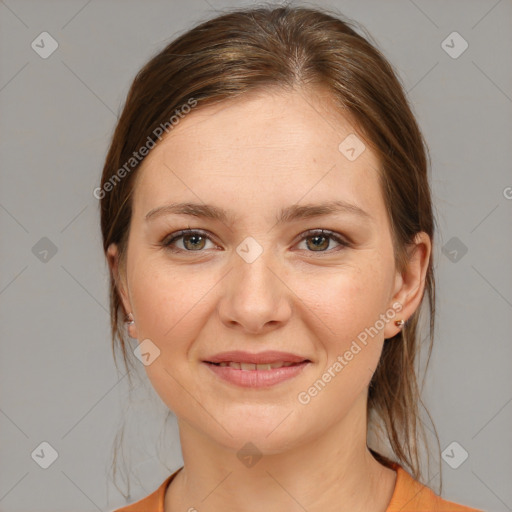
(271, 437)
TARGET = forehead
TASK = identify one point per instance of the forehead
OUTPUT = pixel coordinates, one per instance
(267, 145)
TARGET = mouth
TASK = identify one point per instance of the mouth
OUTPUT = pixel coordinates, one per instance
(256, 375)
(256, 370)
(268, 360)
(253, 366)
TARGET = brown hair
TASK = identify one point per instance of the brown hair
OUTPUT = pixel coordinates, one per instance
(294, 47)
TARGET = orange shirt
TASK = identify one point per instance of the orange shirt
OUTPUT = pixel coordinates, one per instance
(409, 496)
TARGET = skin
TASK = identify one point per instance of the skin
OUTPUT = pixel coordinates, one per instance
(254, 156)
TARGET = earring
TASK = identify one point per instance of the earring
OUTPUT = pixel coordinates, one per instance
(399, 323)
(129, 319)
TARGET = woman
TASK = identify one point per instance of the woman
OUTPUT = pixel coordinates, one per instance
(267, 220)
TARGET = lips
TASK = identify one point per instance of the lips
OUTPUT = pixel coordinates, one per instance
(257, 376)
(246, 360)
(252, 366)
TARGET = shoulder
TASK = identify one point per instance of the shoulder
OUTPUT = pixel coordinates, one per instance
(412, 496)
(409, 496)
(151, 503)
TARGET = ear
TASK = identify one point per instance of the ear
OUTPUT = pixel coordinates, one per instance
(409, 284)
(121, 286)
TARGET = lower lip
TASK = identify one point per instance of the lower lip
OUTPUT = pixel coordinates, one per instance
(257, 378)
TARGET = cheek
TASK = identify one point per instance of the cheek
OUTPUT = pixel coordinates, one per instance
(347, 301)
(165, 298)
(346, 323)
(169, 313)
(349, 356)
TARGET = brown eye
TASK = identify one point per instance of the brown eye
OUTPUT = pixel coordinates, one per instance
(193, 241)
(319, 240)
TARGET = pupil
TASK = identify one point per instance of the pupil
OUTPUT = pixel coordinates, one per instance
(316, 238)
(193, 237)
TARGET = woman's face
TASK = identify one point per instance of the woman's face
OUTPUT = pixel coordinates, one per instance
(248, 282)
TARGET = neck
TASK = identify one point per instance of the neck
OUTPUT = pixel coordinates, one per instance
(332, 472)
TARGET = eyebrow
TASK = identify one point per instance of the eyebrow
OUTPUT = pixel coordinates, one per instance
(288, 214)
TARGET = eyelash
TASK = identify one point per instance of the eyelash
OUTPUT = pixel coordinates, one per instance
(169, 240)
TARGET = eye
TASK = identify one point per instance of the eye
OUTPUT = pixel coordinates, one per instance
(321, 239)
(194, 240)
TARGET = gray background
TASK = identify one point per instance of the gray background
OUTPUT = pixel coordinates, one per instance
(57, 376)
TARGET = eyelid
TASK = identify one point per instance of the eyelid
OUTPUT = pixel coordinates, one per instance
(342, 240)
(176, 235)
(338, 237)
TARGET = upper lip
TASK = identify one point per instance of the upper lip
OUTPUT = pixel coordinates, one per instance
(267, 357)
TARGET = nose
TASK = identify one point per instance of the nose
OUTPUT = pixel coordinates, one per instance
(255, 298)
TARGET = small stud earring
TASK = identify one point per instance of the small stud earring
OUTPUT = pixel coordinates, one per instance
(399, 323)
(129, 319)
